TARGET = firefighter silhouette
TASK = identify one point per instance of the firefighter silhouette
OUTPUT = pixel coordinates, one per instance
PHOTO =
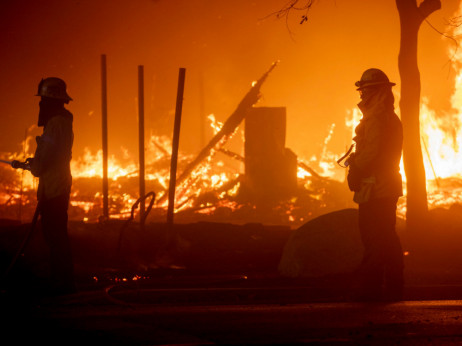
(377, 184)
(51, 164)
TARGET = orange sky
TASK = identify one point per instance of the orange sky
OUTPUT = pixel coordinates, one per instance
(224, 46)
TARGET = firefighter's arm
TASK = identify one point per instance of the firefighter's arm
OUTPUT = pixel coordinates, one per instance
(46, 150)
(22, 165)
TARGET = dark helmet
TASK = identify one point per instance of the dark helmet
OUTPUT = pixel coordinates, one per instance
(372, 77)
(54, 88)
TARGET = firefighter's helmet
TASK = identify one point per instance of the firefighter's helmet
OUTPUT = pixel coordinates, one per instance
(54, 88)
(373, 77)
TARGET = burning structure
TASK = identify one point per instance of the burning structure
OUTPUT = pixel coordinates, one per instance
(210, 187)
(270, 184)
(270, 167)
(265, 182)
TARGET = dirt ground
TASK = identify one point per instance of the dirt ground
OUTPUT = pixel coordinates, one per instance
(208, 283)
(326, 247)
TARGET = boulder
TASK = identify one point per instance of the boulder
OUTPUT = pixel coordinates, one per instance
(328, 244)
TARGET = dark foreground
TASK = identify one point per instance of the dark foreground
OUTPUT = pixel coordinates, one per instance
(228, 284)
(230, 310)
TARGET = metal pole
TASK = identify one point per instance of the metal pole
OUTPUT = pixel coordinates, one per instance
(104, 128)
(175, 145)
(202, 117)
(141, 142)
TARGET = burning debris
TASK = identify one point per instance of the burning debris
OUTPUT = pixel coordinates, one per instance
(206, 188)
(211, 188)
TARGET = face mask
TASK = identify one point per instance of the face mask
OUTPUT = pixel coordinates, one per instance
(48, 109)
(376, 100)
(368, 93)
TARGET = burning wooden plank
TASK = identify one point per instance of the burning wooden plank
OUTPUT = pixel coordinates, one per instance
(228, 128)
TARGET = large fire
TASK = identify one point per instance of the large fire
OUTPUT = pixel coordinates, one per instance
(212, 189)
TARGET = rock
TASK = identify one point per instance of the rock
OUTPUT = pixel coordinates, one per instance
(328, 244)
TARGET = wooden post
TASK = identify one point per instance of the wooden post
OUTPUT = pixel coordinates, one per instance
(175, 145)
(202, 117)
(104, 128)
(141, 142)
(228, 127)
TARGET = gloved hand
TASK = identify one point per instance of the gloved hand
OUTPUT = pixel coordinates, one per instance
(23, 165)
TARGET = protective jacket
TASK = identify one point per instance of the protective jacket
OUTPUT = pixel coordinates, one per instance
(51, 162)
(379, 138)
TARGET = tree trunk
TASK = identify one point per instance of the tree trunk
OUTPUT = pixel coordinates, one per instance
(411, 17)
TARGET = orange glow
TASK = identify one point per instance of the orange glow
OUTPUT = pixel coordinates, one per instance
(224, 48)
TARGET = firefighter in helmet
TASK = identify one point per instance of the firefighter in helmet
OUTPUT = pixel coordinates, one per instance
(377, 184)
(51, 164)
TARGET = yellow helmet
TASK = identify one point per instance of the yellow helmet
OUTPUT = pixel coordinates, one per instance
(372, 77)
(54, 88)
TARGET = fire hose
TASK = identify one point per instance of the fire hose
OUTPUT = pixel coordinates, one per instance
(151, 194)
(24, 242)
(23, 165)
(7, 162)
(347, 157)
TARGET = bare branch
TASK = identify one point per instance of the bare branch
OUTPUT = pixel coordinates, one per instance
(451, 37)
(455, 21)
(294, 5)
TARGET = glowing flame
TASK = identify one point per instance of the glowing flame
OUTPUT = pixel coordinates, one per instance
(441, 147)
(441, 142)
(214, 124)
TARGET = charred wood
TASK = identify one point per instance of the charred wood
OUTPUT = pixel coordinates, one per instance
(228, 128)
